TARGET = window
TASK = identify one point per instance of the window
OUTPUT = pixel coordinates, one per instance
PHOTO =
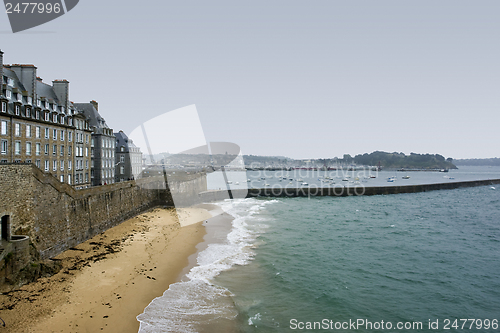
(18, 110)
(61, 179)
(38, 103)
(70, 136)
(92, 142)
(28, 112)
(86, 138)
(3, 147)
(19, 97)
(28, 148)
(37, 163)
(54, 134)
(54, 149)
(37, 114)
(62, 165)
(62, 135)
(46, 165)
(69, 179)
(17, 129)
(29, 100)
(37, 132)
(38, 148)
(8, 94)
(54, 165)
(69, 165)
(61, 119)
(86, 151)
(4, 107)
(28, 131)
(17, 149)
(47, 132)
(122, 170)
(10, 81)
(54, 118)
(3, 129)
(86, 177)
(69, 150)
(86, 164)
(62, 150)
(122, 148)
(46, 149)
(47, 116)
(122, 158)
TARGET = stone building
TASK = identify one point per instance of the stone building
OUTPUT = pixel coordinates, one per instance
(128, 158)
(39, 125)
(102, 147)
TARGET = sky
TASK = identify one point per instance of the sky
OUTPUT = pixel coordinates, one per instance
(291, 78)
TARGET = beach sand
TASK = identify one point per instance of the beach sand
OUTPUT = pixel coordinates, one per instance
(109, 280)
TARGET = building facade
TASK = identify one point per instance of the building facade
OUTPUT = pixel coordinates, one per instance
(39, 125)
(128, 158)
(102, 145)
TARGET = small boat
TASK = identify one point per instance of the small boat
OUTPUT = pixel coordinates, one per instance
(248, 180)
(345, 179)
(300, 180)
(237, 183)
(267, 185)
(373, 176)
(390, 180)
(304, 184)
(229, 182)
(406, 177)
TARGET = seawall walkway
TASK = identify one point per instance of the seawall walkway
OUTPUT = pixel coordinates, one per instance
(338, 191)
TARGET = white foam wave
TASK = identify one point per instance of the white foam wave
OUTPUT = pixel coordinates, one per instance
(187, 304)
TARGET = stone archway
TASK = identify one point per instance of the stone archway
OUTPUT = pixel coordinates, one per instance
(5, 225)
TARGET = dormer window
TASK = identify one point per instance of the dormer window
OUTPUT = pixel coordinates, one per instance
(54, 118)
(54, 107)
(46, 104)
(37, 114)
(28, 112)
(47, 116)
(29, 100)
(4, 107)
(19, 97)
(39, 103)
(10, 82)
(8, 94)
(18, 110)
(62, 119)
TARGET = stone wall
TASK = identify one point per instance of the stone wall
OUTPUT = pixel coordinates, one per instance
(57, 217)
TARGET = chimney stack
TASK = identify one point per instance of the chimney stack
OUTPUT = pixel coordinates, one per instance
(61, 88)
(95, 104)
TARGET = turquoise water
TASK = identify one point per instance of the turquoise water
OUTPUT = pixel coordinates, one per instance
(398, 258)
(330, 262)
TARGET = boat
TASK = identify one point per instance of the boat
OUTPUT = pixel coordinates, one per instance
(237, 183)
(229, 182)
(406, 177)
(304, 184)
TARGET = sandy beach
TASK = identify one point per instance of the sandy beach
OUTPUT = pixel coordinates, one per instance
(109, 280)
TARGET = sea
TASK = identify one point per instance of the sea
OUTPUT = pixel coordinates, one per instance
(415, 262)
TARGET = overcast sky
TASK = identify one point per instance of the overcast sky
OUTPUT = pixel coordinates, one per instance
(303, 79)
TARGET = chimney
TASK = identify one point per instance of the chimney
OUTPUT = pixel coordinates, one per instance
(95, 104)
(61, 88)
(27, 76)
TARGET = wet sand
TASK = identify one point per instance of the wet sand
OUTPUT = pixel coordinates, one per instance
(109, 280)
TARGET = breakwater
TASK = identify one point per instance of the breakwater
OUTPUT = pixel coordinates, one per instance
(338, 191)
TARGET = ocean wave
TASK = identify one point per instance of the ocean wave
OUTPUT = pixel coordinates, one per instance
(187, 305)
